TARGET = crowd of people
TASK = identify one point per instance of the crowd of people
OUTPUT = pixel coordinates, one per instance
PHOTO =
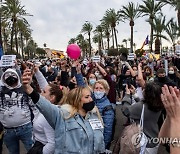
(69, 106)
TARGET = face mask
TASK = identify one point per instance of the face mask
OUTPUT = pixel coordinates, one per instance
(161, 79)
(11, 81)
(69, 74)
(71, 85)
(113, 78)
(171, 72)
(92, 81)
(98, 94)
(88, 106)
(48, 63)
(148, 74)
(96, 74)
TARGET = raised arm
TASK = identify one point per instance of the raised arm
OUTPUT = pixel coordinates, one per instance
(140, 75)
(102, 70)
(171, 100)
(50, 111)
(40, 79)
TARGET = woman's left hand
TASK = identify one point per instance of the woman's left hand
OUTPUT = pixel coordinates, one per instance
(171, 100)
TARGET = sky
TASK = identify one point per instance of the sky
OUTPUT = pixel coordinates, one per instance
(55, 22)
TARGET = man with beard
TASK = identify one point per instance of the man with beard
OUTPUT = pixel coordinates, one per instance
(15, 112)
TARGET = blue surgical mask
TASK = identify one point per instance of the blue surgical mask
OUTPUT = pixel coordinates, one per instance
(99, 94)
(92, 81)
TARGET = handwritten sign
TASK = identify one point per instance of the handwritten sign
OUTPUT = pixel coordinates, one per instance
(7, 60)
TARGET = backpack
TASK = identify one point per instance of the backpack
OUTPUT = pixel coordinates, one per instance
(133, 140)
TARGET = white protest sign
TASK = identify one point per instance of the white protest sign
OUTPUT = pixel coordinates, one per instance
(96, 59)
(131, 56)
(177, 49)
(7, 60)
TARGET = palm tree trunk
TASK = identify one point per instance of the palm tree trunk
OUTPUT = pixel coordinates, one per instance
(12, 34)
(160, 44)
(151, 38)
(112, 38)
(89, 44)
(131, 39)
(108, 42)
(5, 40)
(99, 44)
(102, 43)
(178, 17)
(22, 46)
(16, 40)
(115, 37)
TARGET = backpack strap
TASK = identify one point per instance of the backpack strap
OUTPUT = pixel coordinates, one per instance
(107, 108)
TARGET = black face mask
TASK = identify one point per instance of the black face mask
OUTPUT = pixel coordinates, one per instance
(71, 85)
(88, 106)
(11, 81)
(162, 79)
(148, 74)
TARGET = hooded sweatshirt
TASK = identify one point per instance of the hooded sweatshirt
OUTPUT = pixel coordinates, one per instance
(14, 102)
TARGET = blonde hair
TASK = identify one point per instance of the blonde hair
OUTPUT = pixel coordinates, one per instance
(104, 83)
(74, 99)
(65, 92)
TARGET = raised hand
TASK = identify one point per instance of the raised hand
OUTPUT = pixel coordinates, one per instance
(171, 100)
(26, 80)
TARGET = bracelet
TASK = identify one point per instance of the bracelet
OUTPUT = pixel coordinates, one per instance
(176, 144)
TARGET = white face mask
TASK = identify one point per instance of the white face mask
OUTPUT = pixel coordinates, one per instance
(69, 73)
(92, 81)
(99, 94)
(96, 74)
(171, 72)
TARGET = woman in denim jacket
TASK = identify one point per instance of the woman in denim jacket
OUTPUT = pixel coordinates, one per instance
(78, 124)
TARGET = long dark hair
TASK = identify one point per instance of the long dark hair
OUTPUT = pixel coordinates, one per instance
(152, 96)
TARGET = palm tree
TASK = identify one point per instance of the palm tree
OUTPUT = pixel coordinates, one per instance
(172, 31)
(106, 30)
(176, 5)
(82, 43)
(130, 13)
(125, 41)
(72, 41)
(150, 8)
(87, 28)
(22, 29)
(112, 18)
(30, 49)
(159, 27)
(98, 35)
(13, 11)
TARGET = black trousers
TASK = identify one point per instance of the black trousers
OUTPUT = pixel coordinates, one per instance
(37, 148)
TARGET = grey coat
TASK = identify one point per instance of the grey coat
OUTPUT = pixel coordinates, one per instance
(151, 118)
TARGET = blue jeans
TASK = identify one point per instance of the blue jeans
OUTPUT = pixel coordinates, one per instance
(12, 136)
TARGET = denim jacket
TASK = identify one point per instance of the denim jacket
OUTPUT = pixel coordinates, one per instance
(75, 134)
